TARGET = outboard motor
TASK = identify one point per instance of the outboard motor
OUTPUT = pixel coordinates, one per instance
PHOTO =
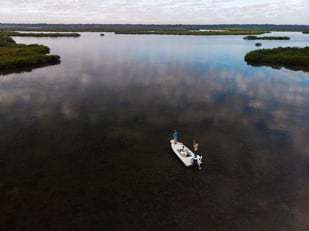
(197, 161)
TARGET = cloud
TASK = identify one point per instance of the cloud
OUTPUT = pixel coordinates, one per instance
(149, 11)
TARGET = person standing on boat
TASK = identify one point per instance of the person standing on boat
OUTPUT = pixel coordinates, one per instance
(175, 136)
(195, 147)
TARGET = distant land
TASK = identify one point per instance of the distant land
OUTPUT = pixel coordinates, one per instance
(252, 37)
(115, 27)
(18, 34)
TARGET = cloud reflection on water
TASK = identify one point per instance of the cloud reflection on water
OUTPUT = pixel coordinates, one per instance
(210, 92)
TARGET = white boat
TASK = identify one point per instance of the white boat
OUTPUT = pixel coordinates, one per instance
(185, 154)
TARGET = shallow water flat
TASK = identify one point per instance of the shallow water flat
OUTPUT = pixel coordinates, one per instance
(84, 144)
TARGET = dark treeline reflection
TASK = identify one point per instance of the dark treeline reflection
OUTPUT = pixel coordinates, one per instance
(89, 149)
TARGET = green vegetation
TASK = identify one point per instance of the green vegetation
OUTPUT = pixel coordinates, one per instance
(306, 32)
(219, 31)
(292, 58)
(177, 29)
(44, 34)
(252, 37)
(6, 40)
(20, 56)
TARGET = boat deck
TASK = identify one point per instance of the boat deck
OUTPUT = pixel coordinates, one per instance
(187, 157)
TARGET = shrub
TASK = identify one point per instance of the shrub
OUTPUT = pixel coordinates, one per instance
(288, 57)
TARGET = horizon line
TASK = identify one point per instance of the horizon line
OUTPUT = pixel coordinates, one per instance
(43, 23)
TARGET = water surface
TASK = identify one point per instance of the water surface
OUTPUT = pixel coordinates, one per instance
(85, 144)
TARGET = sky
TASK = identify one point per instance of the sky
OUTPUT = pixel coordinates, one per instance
(155, 12)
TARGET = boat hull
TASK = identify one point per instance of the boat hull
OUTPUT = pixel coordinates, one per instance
(186, 158)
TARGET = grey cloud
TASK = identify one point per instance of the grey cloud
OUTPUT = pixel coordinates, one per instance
(168, 11)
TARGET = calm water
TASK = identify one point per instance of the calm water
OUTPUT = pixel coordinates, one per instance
(84, 144)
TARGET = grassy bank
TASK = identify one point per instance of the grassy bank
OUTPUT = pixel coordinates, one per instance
(18, 56)
(219, 31)
(292, 58)
(43, 34)
(252, 37)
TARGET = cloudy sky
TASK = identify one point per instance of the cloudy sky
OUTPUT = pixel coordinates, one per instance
(155, 11)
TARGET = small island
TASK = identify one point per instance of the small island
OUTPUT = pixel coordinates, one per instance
(20, 57)
(293, 58)
(253, 37)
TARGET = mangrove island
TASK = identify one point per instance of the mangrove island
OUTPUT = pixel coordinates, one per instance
(43, 34)
(253, 37)
(23, 57)
(293, 58)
